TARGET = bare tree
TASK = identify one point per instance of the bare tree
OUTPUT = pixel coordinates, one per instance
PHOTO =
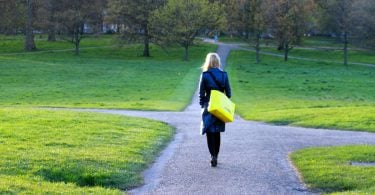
(74, 15)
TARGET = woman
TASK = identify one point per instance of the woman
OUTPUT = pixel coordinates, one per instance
(212, 78)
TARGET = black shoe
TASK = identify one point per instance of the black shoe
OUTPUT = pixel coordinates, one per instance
(214, 162)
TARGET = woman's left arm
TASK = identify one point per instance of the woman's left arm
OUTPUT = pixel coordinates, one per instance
(202, 92)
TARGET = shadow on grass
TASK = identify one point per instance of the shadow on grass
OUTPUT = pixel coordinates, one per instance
(91, 173)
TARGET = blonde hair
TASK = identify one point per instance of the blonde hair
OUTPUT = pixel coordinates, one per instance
(212, 61)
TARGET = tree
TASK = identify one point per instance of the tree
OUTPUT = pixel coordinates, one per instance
(339, 18)
(29, 35)
(289, 20)
(180, 21)
(135, 17)
(342, 12)
(254, 22)
(12, 17)
(47, 17)
(233, 16)
(363, 21)
(74, 16)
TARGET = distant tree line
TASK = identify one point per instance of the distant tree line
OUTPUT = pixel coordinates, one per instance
(171, 22)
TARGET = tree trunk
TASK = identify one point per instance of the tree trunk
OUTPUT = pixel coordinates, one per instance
(29, 36)
(257, 48)
(346, 49)
(146, 50)
(146, 40)
(77, 41)
(286, 51)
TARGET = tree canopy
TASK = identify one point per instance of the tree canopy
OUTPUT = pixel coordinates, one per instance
(179, 22)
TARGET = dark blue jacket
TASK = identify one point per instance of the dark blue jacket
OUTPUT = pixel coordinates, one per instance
(207, 83)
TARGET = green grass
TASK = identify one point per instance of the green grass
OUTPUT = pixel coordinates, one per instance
(49, 152)
(322, 42)
(327, 169)
(75, 152)
(15, 44)
(358, 56)
(230, 39)
(303, 93)
(102, 78)
(328, 49)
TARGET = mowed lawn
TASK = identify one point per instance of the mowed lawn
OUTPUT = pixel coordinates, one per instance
(47, 152)
(108, 77)
(303, 93)
(329, 169)
(334, 55)
(15, 44)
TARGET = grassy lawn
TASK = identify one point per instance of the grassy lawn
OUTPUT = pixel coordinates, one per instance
(330, 55)
(102, 78)
(322, 42)
(15, 44)
(230, 39)
(328, 169)
(85, 153)
(303, 93)
(75, 152)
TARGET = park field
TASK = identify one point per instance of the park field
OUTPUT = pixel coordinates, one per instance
(104, 77)
(329, 55)
(329, 169)
(303, 93)
(53, 151)
(70, 152)
(15, 44)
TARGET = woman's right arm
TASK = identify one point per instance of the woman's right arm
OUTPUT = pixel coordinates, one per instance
(228, 90)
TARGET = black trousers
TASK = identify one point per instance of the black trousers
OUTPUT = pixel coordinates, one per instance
(213, 142)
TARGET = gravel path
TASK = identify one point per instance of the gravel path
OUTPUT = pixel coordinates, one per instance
(253, 157)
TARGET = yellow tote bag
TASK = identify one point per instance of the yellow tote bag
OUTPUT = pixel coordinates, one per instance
(221, 107)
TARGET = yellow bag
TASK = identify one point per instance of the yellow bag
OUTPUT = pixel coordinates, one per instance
(221, 107)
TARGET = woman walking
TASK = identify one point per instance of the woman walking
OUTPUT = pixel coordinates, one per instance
(212, 78)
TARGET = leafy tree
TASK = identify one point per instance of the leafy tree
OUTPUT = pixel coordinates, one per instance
(233, 16)
(289, 20)
(134, 16)
(180, 21)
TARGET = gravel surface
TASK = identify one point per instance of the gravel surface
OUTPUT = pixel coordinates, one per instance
(253, 157)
